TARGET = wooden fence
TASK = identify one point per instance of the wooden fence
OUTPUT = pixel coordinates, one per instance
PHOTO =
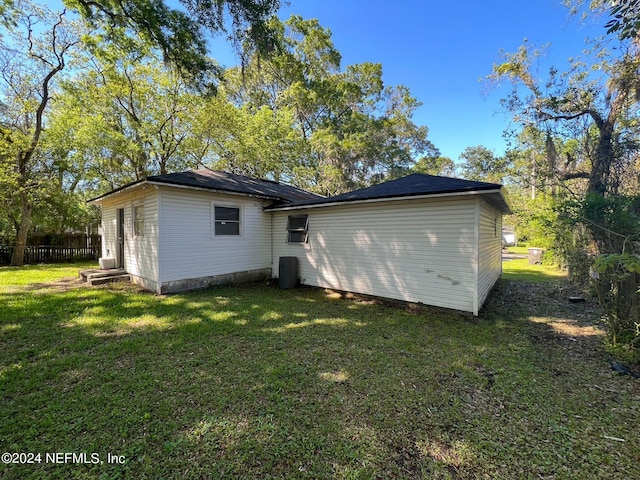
(51, 254)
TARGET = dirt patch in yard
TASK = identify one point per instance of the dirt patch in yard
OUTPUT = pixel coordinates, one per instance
(62, 284)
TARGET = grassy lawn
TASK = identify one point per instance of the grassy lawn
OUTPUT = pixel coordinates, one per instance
(518, 250)
(255, 382)
(34, 274)
(519, 269)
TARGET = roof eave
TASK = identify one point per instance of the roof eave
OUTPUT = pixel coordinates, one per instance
(214, 190)
(504, 205)
(125, 188)
(503, 202)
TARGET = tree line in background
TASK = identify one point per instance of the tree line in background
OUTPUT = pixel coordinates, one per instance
(91, 101)
(104, 93)
(574, 166)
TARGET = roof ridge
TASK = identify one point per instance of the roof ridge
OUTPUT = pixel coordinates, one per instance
(413, 185)
(221, 181)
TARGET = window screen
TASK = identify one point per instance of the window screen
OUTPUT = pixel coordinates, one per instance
(297, 228)
(227, 220)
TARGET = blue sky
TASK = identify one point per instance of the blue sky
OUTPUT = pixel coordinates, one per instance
(440, 50)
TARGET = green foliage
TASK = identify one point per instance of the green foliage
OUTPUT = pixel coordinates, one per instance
(539, 230)
(579, 142)
(7, 13)
(615, 220)
(356, 131)
(295, 116)
(126, 117)
(33, 56)
(625, 19)
(128, 108)
(435, 165)
(616, 223)
(594, 112)
(261, 143)
(178, 34)
(626, 262)
(480, 163)
(535, 219)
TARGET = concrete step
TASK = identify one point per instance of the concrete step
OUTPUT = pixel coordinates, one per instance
(107, 279)
(86, 275)
(83, 273)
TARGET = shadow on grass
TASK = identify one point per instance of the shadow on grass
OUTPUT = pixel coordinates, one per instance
(253, 381)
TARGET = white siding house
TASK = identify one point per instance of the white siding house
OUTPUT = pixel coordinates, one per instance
(190, 230)
(428, 250)
(197, 253)
(135, 248)
(489, 249)
(424, 239)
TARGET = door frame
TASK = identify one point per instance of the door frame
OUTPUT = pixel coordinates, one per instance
(120, 238)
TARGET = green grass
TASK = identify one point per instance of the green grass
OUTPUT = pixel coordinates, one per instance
(256, 382)
(519, 269)
(31, 274)
(518, 250)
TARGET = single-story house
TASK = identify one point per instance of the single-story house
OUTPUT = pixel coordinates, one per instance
(422, 238)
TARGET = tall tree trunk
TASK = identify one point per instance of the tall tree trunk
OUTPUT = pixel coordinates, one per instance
(534, 176)
(552, 161)
(17, 257)
(603, 158)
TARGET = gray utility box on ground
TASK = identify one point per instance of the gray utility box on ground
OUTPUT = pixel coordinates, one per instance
(288, 272)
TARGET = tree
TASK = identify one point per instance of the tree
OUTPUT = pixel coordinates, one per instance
(625, 19)
(435, 165)
(480, 163)
(30, 64)
(563, 103)
(178, 33)
(540, 162)
(589, 115)
(358, 131)
(259, 142)
(127, 117)
(597, 114)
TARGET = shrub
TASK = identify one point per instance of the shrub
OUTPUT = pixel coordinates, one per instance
(613, 223)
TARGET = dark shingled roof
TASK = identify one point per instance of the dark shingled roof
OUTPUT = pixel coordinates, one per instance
(228, 182)
(417, 184)
(287, 197)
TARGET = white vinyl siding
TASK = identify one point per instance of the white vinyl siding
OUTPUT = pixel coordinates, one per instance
(109, 232)
(489, 249)
(443, 251)
(418, 250)
(140, 251)
(190, 248)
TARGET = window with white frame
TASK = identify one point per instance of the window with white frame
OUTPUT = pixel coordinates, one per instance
(226, 220)
(298, 229)
(138, 220)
